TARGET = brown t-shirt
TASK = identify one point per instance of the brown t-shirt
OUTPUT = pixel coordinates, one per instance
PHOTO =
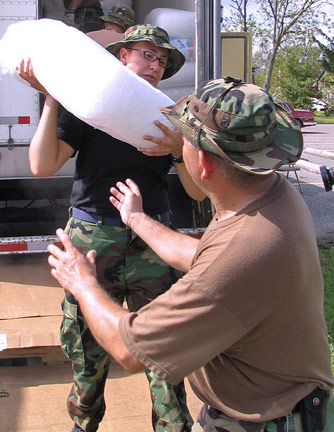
(246, 323)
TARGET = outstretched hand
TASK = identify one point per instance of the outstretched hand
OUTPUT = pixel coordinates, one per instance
(26, 72)
(70, 267)
(127, 199)
(170, 143)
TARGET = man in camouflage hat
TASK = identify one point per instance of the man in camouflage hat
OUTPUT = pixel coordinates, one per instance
(119, 18)
(246, 323)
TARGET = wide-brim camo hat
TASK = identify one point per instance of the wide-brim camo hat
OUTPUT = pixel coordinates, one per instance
(240, 123)
(156, 35)
(120, 14)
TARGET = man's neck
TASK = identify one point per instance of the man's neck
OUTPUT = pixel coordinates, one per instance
(232, 199)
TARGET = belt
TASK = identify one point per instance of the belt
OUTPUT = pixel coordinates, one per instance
(216, 413)
(112, 221)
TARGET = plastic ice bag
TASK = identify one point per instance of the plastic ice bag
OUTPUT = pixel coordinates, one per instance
(86, 79)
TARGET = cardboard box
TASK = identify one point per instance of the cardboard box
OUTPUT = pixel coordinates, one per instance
(30, 308)
(37, 396)
(33, 397)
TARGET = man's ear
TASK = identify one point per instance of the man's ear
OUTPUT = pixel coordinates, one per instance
(206, 164)
(123, 53)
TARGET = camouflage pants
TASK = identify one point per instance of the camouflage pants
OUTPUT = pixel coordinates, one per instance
(128, 270)
(210, 420)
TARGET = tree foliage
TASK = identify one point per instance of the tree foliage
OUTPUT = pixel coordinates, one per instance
(276, 26)
(295, 75)
(327, 52)
(301, 71)
(285, 18)
(240, 19)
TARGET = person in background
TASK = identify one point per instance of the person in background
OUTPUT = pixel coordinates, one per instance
(126, 267)
(83, 14)
(119, 18)
(246, 322)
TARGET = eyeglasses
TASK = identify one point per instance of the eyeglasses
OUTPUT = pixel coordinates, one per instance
(150, 56)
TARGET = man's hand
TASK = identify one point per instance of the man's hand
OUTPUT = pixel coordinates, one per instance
(127, 199)
(26, 72)
(171, 142)
(70, 267)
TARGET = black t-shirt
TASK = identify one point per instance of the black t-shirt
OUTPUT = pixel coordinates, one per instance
(103, 160)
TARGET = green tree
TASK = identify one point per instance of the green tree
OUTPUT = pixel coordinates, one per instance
(276, 26)
(325, 82)
(240, 20)
(299, 75)
(294, 76)
(327, 52)
(288, 21)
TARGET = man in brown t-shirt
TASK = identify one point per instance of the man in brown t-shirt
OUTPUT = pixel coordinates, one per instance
(246, 322)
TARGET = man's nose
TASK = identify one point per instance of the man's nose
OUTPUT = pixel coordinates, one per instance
(155, 65)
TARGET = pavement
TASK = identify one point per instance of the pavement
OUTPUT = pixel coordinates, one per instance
(319, 202)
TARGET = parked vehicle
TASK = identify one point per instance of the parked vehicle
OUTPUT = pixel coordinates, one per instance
(321, 106)
(303, 117)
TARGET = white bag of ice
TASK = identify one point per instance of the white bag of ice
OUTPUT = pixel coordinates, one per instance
(86, 79)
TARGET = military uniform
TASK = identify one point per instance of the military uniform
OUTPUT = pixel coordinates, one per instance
(127, 268)
(245, 324)
(120, 14)
(86, 17)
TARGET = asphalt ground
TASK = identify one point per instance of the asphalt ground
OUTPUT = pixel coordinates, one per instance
(320, 202)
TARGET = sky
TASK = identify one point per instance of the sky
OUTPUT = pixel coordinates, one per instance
(252, 6)
(327, 6)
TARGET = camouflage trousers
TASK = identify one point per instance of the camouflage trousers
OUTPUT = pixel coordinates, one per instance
(211, 420)
(128, 271)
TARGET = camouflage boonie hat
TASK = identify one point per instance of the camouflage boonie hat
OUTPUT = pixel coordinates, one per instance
(238, 122)
(156, 35)
(121, 15)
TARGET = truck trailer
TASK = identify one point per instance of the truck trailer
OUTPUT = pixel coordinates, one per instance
(32, 208)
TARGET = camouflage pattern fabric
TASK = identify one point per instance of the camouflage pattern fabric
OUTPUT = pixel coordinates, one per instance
(211, 420)
(87, 19)
(170, 412)
(240, 123)
(128, 270)
(121, 15)
(155, 35)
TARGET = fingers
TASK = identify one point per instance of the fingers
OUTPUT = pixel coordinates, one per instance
(133, 186)
(153, 139)
(115, 201)
(162, 148)
(116, 194)
(119, 194)
(91, 256)
(167, 134)
(123, 193)
(65, 240)
(170, 143)
(25, 68)
(126, 189)
(163, 128)
(26, 71)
